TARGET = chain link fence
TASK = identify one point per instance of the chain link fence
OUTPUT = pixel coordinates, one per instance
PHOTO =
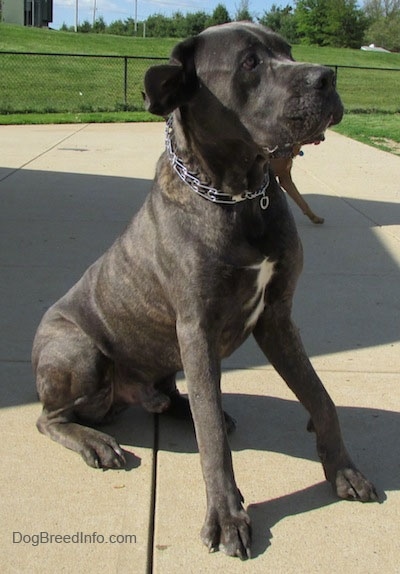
(48, 83)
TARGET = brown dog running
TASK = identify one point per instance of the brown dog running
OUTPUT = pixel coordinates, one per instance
(282, 168)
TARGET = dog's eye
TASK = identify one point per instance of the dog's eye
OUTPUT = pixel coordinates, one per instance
(251, 62)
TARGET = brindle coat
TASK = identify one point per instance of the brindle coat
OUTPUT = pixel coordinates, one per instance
(190, 279)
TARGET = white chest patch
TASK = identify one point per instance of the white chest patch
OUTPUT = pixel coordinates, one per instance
(256, 303)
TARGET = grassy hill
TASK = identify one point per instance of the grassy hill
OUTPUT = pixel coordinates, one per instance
(91, 89)
(23, 39)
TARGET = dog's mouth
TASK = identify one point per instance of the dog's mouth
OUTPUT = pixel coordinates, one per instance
(286, 150)
(316, 140)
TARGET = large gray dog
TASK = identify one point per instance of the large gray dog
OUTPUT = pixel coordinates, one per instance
(212, 256)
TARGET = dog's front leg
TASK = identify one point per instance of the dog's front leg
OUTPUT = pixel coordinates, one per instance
(227, 526)
(279, 339)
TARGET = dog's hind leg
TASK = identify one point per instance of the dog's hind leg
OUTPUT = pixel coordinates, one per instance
(179, 406)
(97, 449)
(281, 343)
(74, 383)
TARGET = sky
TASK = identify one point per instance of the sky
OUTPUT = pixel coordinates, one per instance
(65, 10)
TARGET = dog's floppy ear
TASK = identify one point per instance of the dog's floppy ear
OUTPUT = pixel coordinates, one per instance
(170, 86)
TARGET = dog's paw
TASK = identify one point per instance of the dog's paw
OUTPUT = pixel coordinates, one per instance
(351, 484)
(231, 534)
(100, 450)
(316, 219)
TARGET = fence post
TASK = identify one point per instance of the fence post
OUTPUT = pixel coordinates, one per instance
(126, 82)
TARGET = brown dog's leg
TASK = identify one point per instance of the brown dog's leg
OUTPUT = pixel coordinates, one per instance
(281, 343)
(288, 185)
(282, 168)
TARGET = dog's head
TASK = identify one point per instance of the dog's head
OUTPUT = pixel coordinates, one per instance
(243, 73)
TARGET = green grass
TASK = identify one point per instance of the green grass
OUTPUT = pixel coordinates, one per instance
(62, 84)
(39, 40)
(49, 89)
(51, 84)
(77, 118)
(23, 39)
(368, 90)
(345, 57)
(380, 130)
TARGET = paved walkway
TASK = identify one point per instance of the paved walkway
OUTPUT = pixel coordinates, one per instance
(66, 192)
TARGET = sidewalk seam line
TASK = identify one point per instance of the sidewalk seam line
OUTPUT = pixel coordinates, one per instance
(367, 217)
(152, 518)
(43, 153)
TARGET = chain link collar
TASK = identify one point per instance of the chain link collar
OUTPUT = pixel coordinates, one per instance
(205, 190)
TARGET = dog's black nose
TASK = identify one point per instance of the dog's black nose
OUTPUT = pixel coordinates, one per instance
(321, 78)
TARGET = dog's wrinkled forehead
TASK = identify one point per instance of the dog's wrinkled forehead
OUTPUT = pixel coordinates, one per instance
(229, 41)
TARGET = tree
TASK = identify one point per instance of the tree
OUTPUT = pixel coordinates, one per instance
(99, 26)
(85, 27)
(130, 27)
(330, 22)
(281, 20)
(178, 25)
(219, 16)
(312, 19)
(159, 26)
(243, 11)
(117, 28)
(346, 24)
(65, 28)
(384, 23)
(195, 23)
(385, 32)
(376, 9)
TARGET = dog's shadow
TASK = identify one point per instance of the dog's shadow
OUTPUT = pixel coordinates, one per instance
(279, 425)
(265, 515)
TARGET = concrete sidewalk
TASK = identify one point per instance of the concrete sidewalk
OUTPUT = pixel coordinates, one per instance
(67, 192)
